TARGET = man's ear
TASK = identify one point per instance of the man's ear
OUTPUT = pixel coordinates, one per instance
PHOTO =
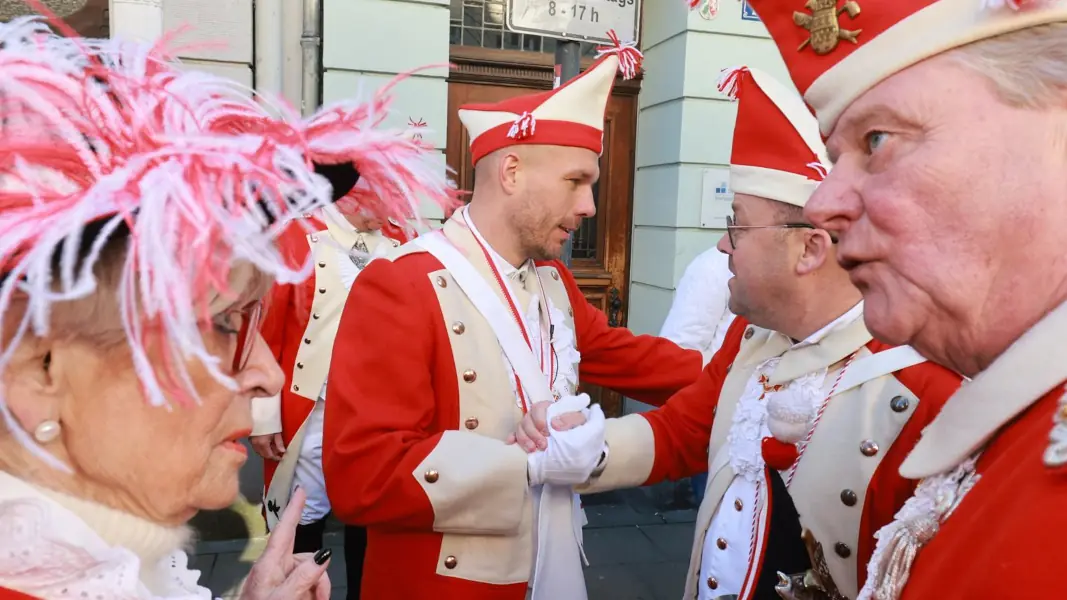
(510, 172)
(817, 245)
(31, 389)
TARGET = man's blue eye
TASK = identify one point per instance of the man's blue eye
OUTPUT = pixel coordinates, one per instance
(876, 139)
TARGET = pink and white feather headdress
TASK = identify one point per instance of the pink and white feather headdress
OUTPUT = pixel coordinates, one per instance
(103, 136)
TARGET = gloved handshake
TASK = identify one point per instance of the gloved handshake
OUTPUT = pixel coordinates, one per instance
(569, 456)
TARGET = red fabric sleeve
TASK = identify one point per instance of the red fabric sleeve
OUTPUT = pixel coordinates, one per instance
(682, 427)
(933, 385)
(643, 367)
(380, 412)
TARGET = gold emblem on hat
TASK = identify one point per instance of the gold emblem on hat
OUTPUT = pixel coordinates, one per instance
(825, 30)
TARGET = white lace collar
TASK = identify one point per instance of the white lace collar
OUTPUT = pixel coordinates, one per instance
(48, 545)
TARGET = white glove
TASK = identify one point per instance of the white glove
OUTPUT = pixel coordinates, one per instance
(571, 456)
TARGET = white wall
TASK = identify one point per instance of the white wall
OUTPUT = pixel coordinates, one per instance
(368, 42)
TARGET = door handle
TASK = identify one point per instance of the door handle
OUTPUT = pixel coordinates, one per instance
(614, 307)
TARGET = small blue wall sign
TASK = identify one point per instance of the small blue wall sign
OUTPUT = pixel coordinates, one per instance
(747, 14)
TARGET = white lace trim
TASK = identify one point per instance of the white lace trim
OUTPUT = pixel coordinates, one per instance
(914, 525)
(1056, 452)
(750, 421)
(38, 556)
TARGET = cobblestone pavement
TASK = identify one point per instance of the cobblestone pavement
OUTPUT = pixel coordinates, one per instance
(637, 543)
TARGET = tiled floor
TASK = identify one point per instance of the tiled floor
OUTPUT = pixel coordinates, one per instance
(635, 551)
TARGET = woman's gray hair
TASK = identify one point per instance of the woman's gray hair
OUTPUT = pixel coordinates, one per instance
(1028, 68)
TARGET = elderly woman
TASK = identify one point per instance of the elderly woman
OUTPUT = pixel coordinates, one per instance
(139, 208)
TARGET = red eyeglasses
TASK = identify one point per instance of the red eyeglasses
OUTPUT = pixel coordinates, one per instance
(246, 338)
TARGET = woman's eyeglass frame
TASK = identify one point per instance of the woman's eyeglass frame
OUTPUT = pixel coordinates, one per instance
(251, 317)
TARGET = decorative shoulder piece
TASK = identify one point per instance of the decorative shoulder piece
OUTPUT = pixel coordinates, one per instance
(917, 522)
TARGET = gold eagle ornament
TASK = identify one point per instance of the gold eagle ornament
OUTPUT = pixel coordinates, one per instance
(822, 23)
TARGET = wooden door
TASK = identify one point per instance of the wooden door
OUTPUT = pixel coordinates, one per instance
(601, 246)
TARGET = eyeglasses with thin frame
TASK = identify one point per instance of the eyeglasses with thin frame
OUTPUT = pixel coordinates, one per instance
(731, 227)
(246, 338)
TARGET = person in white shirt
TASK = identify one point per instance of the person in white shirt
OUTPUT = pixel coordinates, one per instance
(700, 315)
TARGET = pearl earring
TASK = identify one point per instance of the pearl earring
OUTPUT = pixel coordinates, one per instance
(46, 432)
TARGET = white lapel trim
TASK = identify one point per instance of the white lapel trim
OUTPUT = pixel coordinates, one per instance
(877, 365)
(1019, 377)
(499, 317)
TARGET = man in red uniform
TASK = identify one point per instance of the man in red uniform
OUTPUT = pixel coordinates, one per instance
(808, 418)
(947, 125)
(485, 322)
(299, 327)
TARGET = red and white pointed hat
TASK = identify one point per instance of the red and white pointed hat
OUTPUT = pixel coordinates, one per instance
(570, 115)
(837, 50)
(777, 152)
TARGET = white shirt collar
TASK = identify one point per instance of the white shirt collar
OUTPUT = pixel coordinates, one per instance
(856, 312)
(506, 269)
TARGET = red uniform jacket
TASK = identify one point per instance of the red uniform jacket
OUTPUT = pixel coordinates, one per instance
(288, 313)
(683, 425)
(387, 411)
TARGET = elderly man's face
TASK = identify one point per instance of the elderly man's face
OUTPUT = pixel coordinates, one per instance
(946, 201)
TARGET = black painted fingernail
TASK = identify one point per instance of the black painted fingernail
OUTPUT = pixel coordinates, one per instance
(322, 556)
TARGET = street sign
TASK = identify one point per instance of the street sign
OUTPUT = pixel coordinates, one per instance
(576, 20)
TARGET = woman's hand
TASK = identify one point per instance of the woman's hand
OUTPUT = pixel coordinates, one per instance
(281, 575)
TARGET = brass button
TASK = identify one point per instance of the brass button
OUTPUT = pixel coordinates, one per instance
(555, 275)
(1063, 411)
(570, 312)
(749, 333)
(471, 423)
(314, 239)
(721, 543)
(842, 550)
(869, 447)
(441, 281)
(395, 243)
(848, 497)
(469, 376)
(300, 365)
(450, 562)
(738, 505)
(458, 328)
(315, 316)
(322, 290)
(431, 476)
(713, 583)
(899, 404)
(296, 388)
(322, 265)
(307, 340)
